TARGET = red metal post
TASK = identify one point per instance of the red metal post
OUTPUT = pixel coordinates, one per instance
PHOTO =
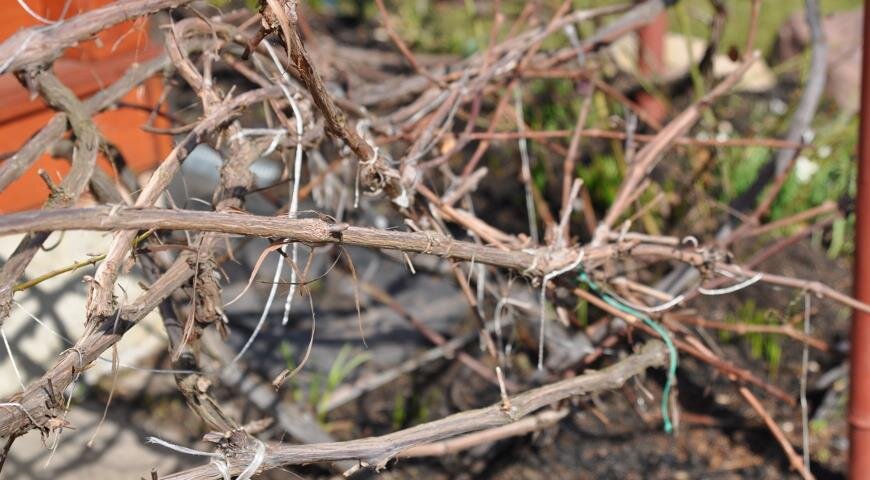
(859, 388)
(651, 61)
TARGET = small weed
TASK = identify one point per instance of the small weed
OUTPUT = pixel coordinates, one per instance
(412, 410)
(321, 387)
(762, 346)
(400, 412)
(341, 368)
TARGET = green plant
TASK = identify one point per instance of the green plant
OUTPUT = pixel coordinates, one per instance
(321, 387)
(409, 410)
(343, 365)
(582, 311)
(250, 4)
(762, 346)
(400, 411)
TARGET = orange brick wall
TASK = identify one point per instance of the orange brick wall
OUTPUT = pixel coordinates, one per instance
(85, 69)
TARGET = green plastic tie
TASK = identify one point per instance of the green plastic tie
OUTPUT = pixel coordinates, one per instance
(661, 331)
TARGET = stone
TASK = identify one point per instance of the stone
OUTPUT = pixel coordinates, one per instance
(59, 305)
(758, 78)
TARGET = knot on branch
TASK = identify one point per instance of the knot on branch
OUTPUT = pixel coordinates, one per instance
(270, 20)
(232, 441)
(101, 302)
(548, 260)
(238, 444)
(56, 195)
(377, 464)
(207, 292)
(5, 304)
(377, 176)
(709, 259)
(52, 419)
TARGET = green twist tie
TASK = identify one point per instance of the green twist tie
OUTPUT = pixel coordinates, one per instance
(661, 331)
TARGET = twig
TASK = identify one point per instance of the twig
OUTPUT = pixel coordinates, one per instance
(527, 425)
(614, 135)
(526, 170)
(805, 360)
(294, 190)
(827, 207)
(4, 454)
(793, 458)
(568, 171)
(744, 328)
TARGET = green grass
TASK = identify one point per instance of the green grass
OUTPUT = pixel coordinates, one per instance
(773, 13)
(463, 27)
(833, 155)
(321, 387)
(762, 346)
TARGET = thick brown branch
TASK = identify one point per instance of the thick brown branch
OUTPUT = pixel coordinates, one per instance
(535, 262)
(311, 230)
(376, 451)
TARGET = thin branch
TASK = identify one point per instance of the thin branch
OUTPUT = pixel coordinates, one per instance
(36, 401)
(71, 187)
(42, 45)
(793, 458)
(650, 155)
(538, 422)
